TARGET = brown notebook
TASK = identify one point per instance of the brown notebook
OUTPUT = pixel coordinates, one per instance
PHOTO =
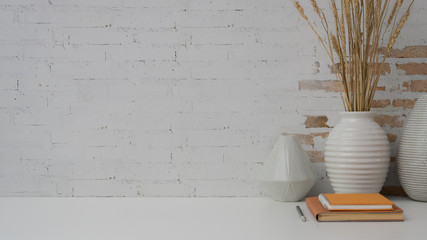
(323, 215)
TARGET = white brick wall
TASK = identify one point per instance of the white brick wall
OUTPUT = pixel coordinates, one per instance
(154, 97)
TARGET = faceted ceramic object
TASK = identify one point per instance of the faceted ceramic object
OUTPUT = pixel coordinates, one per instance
(287, 173)
(412, 155)
(357, 154)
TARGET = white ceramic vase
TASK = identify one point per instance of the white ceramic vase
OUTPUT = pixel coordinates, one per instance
(287, 173)
(357, 154)
(412, 154)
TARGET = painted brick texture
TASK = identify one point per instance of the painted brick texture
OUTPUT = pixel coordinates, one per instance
(173, 97)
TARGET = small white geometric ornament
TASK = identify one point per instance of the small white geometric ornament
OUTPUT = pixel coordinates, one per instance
(287, 173)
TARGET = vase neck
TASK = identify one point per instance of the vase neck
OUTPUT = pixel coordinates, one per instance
(357, 115)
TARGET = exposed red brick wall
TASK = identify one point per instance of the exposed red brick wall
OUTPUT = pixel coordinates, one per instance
(404, 103)
(380, 103)
(308, 139)
(316, 156)
(316, 122)
(408, 52)
(415, 86)
(392, 137)
(413, 68)
(388, 120)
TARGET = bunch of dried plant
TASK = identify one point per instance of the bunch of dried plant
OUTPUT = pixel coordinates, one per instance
(365, 31)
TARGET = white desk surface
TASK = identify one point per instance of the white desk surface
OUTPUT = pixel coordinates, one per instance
(190, 218)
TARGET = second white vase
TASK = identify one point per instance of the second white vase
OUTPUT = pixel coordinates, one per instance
(412, 155)
(357, 154)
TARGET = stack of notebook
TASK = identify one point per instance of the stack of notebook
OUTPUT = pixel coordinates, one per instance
(353, 207)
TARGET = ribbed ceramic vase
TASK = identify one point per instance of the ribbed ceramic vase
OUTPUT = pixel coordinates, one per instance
(412, 154)
(357, 154)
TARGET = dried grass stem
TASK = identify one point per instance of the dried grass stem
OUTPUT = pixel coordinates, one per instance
(354, 44)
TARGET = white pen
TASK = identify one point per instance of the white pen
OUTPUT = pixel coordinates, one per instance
(303, 219)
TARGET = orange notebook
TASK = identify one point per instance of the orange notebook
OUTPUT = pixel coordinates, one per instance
(355, 201)
(323, 215)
